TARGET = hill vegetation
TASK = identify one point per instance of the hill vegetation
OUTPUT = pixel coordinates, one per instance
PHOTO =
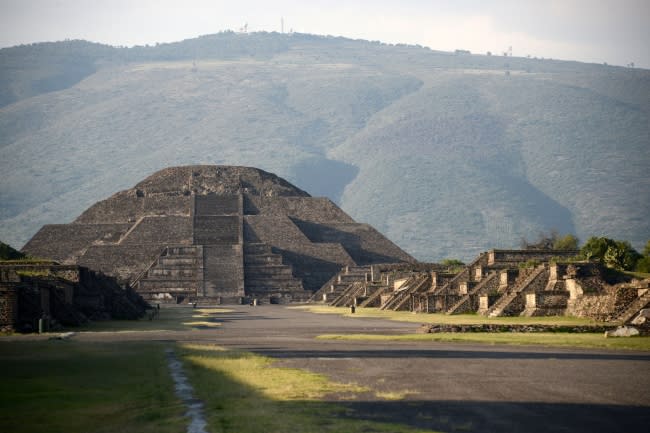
(447, 154)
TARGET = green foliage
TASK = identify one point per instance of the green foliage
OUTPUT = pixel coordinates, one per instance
(566, 242)
(646, 249)
(551, 241)
(643, 263)
(614, 254)
(532, 263)
(8, 253)
(453, 265)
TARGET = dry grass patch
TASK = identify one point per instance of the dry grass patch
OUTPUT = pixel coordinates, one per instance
(445, 319)
(591, 341)
(244, 392)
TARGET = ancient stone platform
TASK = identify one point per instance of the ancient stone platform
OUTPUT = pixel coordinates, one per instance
(217, 233)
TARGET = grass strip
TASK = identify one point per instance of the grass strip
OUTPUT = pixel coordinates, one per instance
(591, 341)
(68, 387)
(449, 319)
(244, 392)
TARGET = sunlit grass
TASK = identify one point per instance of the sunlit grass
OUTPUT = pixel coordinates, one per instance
(592, 341)
(272, 382)
(244, 392)
(445, 319)
(202, 324)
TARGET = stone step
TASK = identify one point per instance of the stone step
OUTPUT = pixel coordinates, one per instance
(257, 249)
(278, 279)
(164, 285)
(171, 290)
(190, 251)
(262, 259)
(166, 261)
(267, 271)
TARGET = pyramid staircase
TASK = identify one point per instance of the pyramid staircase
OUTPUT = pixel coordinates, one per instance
(265, 275)
(176, 273)
(400, 300)
(468, 302)
(513, 302)
(633, 309)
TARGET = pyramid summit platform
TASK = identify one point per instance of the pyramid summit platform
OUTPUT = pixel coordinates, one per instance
(217, 233)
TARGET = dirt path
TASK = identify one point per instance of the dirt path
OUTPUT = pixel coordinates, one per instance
(440, 386)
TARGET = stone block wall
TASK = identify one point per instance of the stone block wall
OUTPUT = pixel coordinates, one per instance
(125, 262)
(223, 270)
(8, 307)
(65, 243)
(161, 230)
(313, 209)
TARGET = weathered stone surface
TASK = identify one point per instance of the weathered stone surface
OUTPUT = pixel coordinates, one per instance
(217, 232)
(622, 331)
(642, 318)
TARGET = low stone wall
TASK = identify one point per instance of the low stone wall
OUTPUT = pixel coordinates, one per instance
(428, 328)
(521, 256)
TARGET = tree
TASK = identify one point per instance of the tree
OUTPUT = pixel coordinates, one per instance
(551, 241)
(612, 253)
(453, 265)
(8, 253)
(595, 248)
(566, 242)
(643, 264)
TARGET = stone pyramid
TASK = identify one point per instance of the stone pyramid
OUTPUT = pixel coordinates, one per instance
(218, 233)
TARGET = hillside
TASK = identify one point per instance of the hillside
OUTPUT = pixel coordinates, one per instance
(446, 154)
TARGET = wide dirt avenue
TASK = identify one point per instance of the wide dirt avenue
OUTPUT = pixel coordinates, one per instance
(441, 386)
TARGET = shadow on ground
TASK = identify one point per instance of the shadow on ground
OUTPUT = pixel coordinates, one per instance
(233, 406)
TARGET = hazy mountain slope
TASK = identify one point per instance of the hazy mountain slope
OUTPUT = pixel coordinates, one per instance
(508, 156)
(125, 122)
(446, 154)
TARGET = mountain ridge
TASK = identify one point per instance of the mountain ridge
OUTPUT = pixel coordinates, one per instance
(447, 154)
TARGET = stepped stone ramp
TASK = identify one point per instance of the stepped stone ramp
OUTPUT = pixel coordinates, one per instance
(177, 273)
(513, 302)
(223, 271)
(265, 274)
(633, 309)
(220, 208)
(469, 302)
(65, 243)
(342, 279)
(218, 226)
(401, 300)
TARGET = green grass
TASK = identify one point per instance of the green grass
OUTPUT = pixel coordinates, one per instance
(244, 392)
(67, 387)
(454, 319)
(591, 341)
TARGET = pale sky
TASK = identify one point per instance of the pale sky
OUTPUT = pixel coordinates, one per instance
(612, 31)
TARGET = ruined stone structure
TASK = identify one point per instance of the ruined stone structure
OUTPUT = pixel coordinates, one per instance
(61, 295)
(497, 283)
(217, 233)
